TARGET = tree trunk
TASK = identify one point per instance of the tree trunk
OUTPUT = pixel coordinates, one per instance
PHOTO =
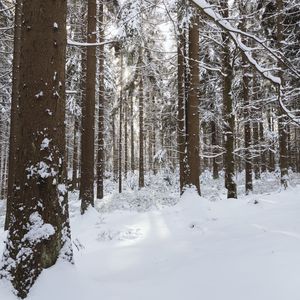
(88, 116)
(100, 154)
(115, 148)
(282, 120)
(247, 114)
(75, 153)
(40, 232)
(141, 126)
(271, 165)
(126, 137)
(181, 97)
(120, 124)
(229, 118)
(192, 112)
(214, 144)
(14, 110)
(131, 134)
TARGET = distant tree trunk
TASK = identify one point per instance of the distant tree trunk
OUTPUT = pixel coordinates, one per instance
(39, 232)
(247, 112)
(154, 135)
(141, 126)
(115, 148)
(247, 131)
(131, 134)
(75, 153)
(100, 154)
(214, 144)
(282, 120)
(271, 165)
(256, 160)
(121, 124)
(229, 118)
(181, 45)
(14, 110)
(262, 150)
(88, 116)
(126, 137)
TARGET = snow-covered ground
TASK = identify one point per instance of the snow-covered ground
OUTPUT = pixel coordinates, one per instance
(149, 245)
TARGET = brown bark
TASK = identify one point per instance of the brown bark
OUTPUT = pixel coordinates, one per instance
(100, 154)
(271, 164)
(88, 116)
(246, 114)
(120, 124)
(39, 197)
(14, 110)
(229, 118)
(154, 136)
(75, 153)
(115, 148)
(282, 119)
(181, 99)
(132, 164)
(141, 126)
(126, 137)
(262, 142)
(214, 144)
(192, 113)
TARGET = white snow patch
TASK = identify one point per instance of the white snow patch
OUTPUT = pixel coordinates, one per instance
(38, 229)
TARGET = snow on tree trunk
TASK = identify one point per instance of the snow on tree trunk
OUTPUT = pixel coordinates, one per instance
(39, 232)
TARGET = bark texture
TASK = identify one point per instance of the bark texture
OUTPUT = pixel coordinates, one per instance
(39, 232)
(88, 116)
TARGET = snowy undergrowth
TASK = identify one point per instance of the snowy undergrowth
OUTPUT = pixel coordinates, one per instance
(148, 245)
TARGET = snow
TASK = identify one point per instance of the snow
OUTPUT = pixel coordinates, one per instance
(233, 32)
(150, 245)
(38, 229)
(45, 143)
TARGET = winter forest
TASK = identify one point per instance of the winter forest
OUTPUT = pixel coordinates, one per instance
(150, 149)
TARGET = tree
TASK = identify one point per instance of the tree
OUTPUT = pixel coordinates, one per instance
(229, 117)
(188, 100)
(88, 116)
(141, 122)
(14, 110)
(192, 108)
(100, 156)
(39, 232)
(247, 108)
(282, 120)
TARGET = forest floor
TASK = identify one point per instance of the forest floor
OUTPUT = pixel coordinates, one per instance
(148, 244)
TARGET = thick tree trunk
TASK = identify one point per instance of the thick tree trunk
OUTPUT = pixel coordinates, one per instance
(88, 116)
(39, 232)
(14, 110)
(214, 144)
